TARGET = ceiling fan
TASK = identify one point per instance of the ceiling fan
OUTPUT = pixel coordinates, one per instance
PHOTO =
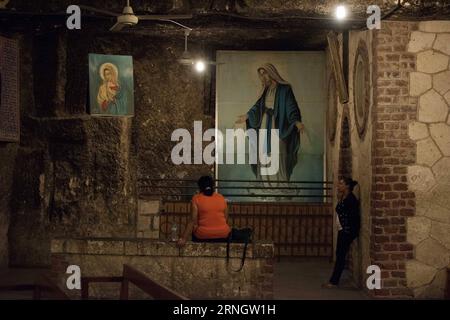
(127, 18)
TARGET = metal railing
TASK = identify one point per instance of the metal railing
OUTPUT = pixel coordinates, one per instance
(151, 287)
(297, 216)
(239, 190)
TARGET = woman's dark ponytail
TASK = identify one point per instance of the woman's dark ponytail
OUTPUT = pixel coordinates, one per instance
(206, 185)
(350, 183)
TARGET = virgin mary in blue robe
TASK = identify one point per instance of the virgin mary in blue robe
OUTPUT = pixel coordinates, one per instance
(282, 113)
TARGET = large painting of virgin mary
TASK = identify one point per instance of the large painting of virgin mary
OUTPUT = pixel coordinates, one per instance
(276, 108)
(264, 90)
(111, 85)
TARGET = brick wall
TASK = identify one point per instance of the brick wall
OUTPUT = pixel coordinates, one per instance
(392, 152)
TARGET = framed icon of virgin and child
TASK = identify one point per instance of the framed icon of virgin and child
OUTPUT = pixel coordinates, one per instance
(273, 90)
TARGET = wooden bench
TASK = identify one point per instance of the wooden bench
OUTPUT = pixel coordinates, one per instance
(130, 275)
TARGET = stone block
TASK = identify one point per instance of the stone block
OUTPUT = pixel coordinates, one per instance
(156, 222)
(421, 205)
(264, 251)
(131, 248)
(440, 132)
(435, 26)
(417, 130)
(447, 99)
(57, 246)
(441, 232)
(441, 170)
(432, 107)
(144, 222)
(419, 83)
(420, 178)
(110, 247)
(420, 41)
(431, 62)
(439, 194)
(148, 206)
(437, 213)
(441, 82)
(157, 248)
(427, 152)
(418, 229)
(435, 290)
(214, 250)
(418, 274)
(442, 43)
(432, 253)
(75, 246)
(149, 234)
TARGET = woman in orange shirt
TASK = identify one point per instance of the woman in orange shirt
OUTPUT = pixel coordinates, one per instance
(209, 215)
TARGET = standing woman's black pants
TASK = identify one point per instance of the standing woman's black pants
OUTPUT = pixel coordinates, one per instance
(344, 240)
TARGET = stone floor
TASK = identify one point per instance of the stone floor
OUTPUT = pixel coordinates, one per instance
(294, 279)
(297, 279)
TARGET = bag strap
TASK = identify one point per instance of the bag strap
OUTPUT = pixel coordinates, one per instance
(228, 248)
(244, 254)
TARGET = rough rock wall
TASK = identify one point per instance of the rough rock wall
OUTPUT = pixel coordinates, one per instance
(168, 96)
(9, 152)
(75, 174)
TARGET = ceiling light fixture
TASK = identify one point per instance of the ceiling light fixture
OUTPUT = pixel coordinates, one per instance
(186, 58)
(200, 66)
(341, 12)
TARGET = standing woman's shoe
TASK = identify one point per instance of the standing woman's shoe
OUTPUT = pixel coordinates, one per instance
(329, 286)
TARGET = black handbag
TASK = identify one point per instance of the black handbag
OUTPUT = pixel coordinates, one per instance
(239, 236)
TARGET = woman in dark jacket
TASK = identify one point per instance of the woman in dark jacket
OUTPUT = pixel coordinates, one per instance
(348, 222)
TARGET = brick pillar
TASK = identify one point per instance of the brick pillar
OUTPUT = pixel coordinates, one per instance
(392, 152)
